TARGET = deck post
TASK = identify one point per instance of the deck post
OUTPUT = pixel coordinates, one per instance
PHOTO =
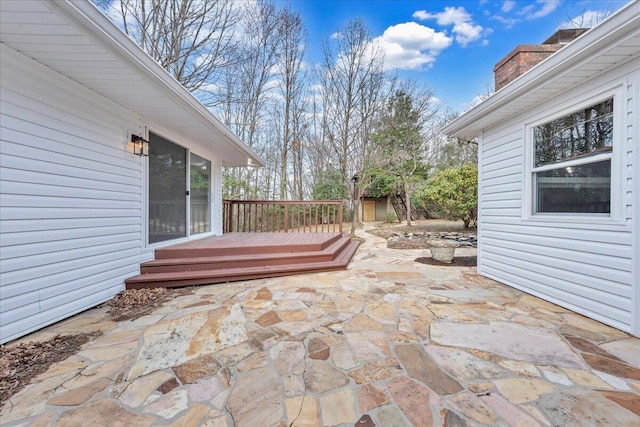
(286, 217)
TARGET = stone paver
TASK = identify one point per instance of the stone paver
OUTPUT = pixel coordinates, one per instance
(421, 367)
(338, 407)
(411, 397)
(389, 342)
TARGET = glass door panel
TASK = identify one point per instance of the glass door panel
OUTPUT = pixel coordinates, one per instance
(200, 202)
(167, 190)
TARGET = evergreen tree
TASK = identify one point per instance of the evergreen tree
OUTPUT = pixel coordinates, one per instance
(401, 145)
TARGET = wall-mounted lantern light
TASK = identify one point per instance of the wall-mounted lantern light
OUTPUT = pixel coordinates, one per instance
(140, 145)
(355, 179)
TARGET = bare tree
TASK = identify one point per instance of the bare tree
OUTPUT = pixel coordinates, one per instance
(246, 107)
(590, 18)
(261, 44)
(352, 79)
(444, 152)
(192, 39)
(291, 87)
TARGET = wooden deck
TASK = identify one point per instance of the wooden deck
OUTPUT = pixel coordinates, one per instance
(243, 256)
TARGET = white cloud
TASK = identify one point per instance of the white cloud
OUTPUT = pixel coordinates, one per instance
(421, 14)
(335, 36)
(508, 22)
(508, 5)
(464, 29)
(411, 46)
(416, 36)
(450, 15)
(545, 8)
(587, 19)
(467, 32)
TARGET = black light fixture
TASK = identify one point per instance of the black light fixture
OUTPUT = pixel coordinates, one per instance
(355, 179)
(140, 145)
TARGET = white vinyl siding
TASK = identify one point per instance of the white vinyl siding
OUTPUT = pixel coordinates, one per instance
(633, 190)
(71, 213)
(585, 265)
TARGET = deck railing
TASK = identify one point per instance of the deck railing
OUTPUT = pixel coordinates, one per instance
(256, 216)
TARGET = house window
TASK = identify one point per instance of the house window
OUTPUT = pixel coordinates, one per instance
(572, 162)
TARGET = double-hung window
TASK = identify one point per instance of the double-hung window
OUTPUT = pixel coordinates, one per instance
(572, 162)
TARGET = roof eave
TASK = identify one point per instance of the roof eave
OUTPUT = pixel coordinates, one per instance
(91, 18)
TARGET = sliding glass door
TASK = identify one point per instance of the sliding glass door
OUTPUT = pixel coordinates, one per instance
(167, 190)
(199, 199)
(178, 190)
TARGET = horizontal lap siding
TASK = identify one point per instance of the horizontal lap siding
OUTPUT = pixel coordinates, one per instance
(633, 183)
(71, 211)
(584, 267)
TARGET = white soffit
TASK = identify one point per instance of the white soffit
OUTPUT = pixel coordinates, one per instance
(75, 39)
(613, 42)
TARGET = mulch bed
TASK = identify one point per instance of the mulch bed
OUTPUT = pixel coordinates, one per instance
(133, 303)
(20, 364)
(462, 261)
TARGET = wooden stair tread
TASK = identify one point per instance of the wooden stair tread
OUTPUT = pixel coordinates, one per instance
(233, 274)
(330, 250)
(177, 275)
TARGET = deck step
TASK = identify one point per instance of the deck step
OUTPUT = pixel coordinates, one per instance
(201, 277)
(167, 265)
(254, 243)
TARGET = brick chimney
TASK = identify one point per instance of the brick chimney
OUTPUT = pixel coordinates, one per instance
(526, 56)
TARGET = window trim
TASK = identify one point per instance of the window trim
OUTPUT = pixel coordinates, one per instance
(616, 156)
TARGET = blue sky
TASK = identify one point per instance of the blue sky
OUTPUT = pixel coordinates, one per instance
(451, 45)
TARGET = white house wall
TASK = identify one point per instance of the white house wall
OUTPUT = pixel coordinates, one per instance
(634, 134)
(585, 266)
(71, 224)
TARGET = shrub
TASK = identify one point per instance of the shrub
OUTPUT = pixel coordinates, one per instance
(455, 192)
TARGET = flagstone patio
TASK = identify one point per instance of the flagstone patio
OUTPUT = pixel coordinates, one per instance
(389, 342)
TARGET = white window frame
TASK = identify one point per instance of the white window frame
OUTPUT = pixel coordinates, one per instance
(615, 155)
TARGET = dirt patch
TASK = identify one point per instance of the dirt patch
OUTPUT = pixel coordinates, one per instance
(20, 364)
(462, 261)
(406, 244)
